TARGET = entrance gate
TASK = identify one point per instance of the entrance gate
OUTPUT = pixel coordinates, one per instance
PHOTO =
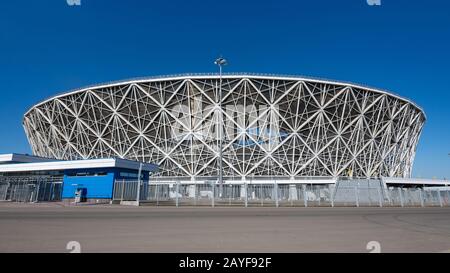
(30, 189)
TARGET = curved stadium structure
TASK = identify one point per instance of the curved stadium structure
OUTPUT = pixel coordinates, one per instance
(271, 126)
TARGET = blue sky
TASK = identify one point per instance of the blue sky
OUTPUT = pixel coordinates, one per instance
(47, 47)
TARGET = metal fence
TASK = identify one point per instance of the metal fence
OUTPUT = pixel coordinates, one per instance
(277, 195)
(30, 190)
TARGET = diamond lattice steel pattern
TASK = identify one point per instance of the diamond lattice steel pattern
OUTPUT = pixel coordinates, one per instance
(272, 126)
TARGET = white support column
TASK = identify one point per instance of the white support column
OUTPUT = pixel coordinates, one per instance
(448, 198)
(213, 183)
(380, 198)
(7, 188)
(246, 194)
(330, 188)
(400, 194)
(37, 192)
(275, 186)
(177, 190)
(243, 191)
(157, 194)
(440, 198)
(422, 201)
(192, 191)
(261, 194)
(123, 188)
(293, 195)
(385, 190)
(138, 190)
(305, 198)
(356, 196)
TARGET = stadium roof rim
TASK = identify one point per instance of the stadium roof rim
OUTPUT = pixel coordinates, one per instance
(226, 75)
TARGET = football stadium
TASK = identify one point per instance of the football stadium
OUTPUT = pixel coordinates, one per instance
(230, 138)
(267, 126)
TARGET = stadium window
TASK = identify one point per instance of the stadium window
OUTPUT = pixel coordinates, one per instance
(83, 174)
(129, 175)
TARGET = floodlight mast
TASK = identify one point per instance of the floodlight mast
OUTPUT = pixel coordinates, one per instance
(220, 62)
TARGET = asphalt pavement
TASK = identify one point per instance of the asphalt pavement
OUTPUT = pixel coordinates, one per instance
(113, 228)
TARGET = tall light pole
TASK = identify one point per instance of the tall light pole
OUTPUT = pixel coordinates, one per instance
(220, 62)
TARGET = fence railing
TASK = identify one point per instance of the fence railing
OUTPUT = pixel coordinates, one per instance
(276, 195)
(31, 191)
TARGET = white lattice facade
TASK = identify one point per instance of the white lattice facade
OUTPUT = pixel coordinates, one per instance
(285, 127)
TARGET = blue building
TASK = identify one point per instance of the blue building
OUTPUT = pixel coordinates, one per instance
(30, 179)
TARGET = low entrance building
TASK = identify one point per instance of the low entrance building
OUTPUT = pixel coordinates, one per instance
(28, 178)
